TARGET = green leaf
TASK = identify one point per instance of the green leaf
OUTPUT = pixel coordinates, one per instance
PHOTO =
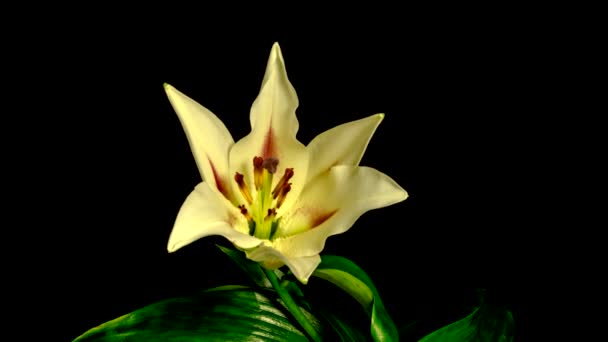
(252, 268)
(486, 323)
(231, 313)
(340, 324)
(351, 278)
(226, 313)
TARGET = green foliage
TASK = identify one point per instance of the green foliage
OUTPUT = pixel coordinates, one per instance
(352, 279)
(487, 323)
(238, 313)
(222, 314)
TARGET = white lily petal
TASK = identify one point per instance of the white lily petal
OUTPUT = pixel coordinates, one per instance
(209, 139)
(331, 204)
(301, 267)
(206, 213)
(277, 102)
(273, 130)
(342, 145)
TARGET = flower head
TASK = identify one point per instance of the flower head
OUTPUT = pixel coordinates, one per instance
(270, 195)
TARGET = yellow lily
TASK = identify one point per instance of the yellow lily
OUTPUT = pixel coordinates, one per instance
(270, 195)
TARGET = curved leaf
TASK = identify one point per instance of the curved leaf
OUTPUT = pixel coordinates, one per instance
(226, 313)
(221, 314)
(340, 326)
(485, 324)
(352, 279)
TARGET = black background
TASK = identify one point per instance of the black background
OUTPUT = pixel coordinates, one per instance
(108, 164)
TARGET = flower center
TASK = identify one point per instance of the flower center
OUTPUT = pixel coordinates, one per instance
(261, 208)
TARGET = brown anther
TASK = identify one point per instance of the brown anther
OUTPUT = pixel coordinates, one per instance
(272, 213)
(243, 187)
(282, 182)
(283, 194)
(244, 212)
(270, 164)
(258, 172)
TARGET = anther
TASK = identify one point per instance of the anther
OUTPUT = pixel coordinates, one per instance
(272, 213)
(243, 187)
(258, 172)
(283, 194)
(244, 212)
(282, 182)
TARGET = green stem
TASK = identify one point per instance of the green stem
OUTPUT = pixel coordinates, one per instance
(292, 306)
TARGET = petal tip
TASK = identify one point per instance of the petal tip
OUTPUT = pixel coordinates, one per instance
(378, 119)
(404, 195)
(170, 90)
(172, 248)
(276, 56)
(276, 49)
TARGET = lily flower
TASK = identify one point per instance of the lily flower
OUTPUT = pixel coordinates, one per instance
(271, 196)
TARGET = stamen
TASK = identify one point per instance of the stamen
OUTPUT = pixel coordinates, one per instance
(243, 187)
(286, 177)
(244, 212)
(270, 164)
(250, 221)
(272, 213)
(259, 211)
(258, 172)
(283, 194)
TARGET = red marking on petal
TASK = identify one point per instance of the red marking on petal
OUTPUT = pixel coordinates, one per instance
(218, 180)
(269, 148)
(319, 219)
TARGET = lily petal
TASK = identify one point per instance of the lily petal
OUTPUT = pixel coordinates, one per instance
(331, 204)
(301, 267)
(342, 145)
(276, 104)
(206, 213)
(209, 139)
(273, 129)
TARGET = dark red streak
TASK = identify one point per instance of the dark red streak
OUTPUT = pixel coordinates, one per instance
(318, 220)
